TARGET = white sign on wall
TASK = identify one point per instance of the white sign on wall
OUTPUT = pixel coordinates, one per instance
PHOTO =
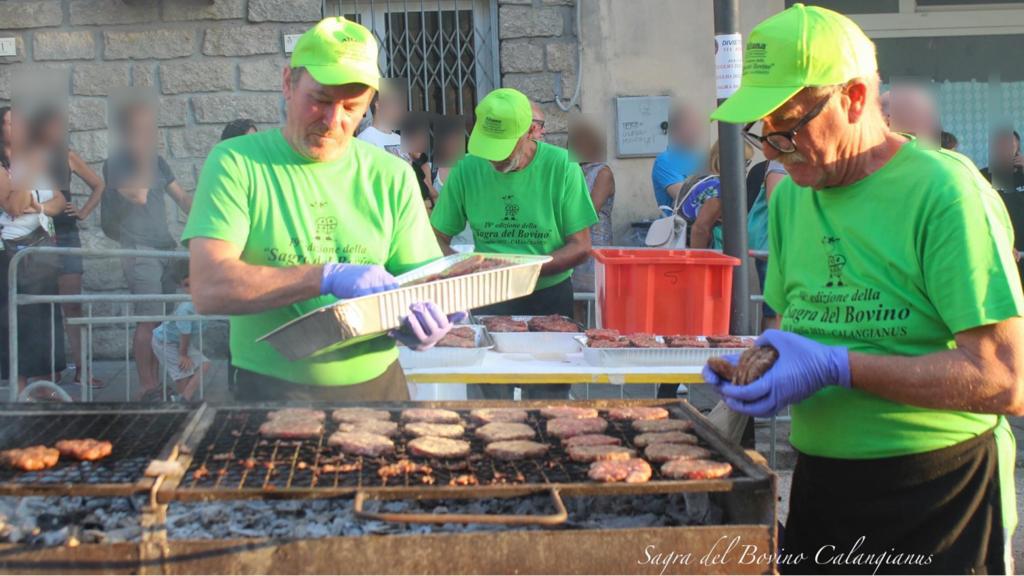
(641, 125)
(728, 63)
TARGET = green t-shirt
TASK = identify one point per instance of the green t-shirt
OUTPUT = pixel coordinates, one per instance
(896, 264)
(285, 210)
(529, 211)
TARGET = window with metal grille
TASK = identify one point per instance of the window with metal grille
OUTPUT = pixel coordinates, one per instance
(444, 50)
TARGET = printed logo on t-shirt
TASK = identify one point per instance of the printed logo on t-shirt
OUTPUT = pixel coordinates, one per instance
(511, 208)
(325, 226)
(836, 261)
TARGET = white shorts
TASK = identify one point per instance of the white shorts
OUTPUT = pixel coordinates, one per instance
(167, 353)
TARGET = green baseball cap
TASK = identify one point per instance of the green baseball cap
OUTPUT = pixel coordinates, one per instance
(338, 51)
(798, 47)
(502, 117)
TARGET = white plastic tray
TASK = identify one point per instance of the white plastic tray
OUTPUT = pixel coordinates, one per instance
(439, 357)
(349, 321)
(621, 357)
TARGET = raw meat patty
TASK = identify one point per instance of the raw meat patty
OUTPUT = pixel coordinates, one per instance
(673, 437)
(434, 415)
(600, 452)
(516, 449)
(362, 443)
(553, 323)
(666, 452)
(470, 265)
(297, 413)
(667, 425)
(84, 449)
(488, 415)
(504, 324)
(382, 427)
(30, 459)
(608, 343)
(591, 440)
(638, 413)
(504, 431)
(568, 412)
(433, 429)
(292, 428)
(644, 341)
(684, 342)
(568, 427)
(357, 414)
(631, 471)
(452, 341)
(595, 334)
(696, 469)
(434, 447)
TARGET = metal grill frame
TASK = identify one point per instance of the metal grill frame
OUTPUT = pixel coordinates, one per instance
(753, 477)
(168, 450)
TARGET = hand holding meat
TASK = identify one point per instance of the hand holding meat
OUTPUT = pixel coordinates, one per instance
(803, 368)
(425, 326)
(354, 280)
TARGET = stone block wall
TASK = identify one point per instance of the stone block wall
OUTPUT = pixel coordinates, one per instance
(538, 55)
(206, 62)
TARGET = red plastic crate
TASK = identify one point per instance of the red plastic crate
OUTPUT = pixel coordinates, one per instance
(664, 291)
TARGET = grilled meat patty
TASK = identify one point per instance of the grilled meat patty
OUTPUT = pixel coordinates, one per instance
(568, 412)
(382, 427)
(433, 415)
(433, 429)
(599, 452)
(504, 431)
(595, 334)
(568, 427)
(362, 443)
(631, 471)
(516, 449)
(292, 428)
(696, 469)
(591, 440)
(552, 323)
(638, 413)
(84, 449)
(504, 324)
(667, 425)
(488, 415)
(30, 459)
(436, 447)
(357, 414)
(297, 413)
(666, 452)
(673, 437)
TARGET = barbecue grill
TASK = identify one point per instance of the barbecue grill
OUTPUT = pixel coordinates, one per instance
(139, 435)
(238, 464)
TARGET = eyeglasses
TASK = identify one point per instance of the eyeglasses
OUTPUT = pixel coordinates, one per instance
(784, 141)
(539, 123)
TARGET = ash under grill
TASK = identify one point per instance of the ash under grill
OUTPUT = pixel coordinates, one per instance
(137, 436)
(232, 456)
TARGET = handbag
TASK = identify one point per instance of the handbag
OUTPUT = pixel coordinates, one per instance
(37, 273)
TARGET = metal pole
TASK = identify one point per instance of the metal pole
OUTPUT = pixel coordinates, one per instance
(734, 194)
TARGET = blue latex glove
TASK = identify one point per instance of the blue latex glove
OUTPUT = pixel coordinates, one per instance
(425, 326)
(353, 280)
(804, 367)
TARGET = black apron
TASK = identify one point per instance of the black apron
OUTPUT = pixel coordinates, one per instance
(940, 510)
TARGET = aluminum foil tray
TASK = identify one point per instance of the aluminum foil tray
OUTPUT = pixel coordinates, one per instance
(619, 357)
(438, 357)
(542, 343)
(348, 321)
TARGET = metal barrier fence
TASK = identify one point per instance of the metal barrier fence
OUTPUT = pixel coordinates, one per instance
(88, 321)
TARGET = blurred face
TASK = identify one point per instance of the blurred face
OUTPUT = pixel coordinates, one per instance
(5, 127)
(1004, 148)
(818, 152)
(536, 131)
(251, 130)
(322, 119)
(141, 136)
(515, 160)
(912, 110)
(391, 108)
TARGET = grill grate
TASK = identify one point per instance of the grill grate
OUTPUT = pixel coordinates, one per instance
(232, 456)
(137, 438)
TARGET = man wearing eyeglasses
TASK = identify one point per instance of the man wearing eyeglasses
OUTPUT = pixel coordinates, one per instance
(902, 346)
(536, 131)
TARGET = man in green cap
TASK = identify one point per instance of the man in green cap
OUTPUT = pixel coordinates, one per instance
(285, 221)
(520, 196)
(902, 343)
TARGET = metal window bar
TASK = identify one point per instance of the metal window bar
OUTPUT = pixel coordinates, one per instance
(16, 300)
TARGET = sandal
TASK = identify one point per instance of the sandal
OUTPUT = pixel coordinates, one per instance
(155, 395)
